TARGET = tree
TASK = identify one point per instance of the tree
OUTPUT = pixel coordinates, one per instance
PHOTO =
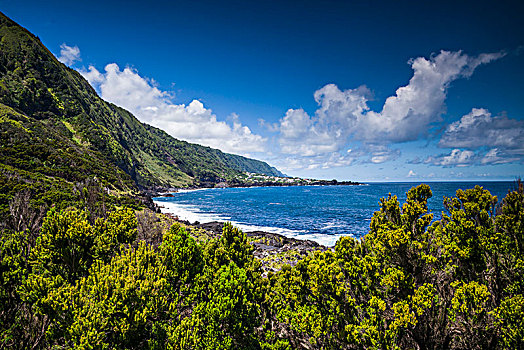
(227, 297)
(410, 283)
(64, 252)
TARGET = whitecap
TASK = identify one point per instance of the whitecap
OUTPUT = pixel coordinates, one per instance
(185, 190)
(189, 212)
(331, 224)
(192, 213)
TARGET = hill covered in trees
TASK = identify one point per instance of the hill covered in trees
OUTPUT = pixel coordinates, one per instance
(84, 265)
(56, 131)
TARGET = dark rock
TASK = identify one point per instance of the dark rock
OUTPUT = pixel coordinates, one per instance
(271, 248)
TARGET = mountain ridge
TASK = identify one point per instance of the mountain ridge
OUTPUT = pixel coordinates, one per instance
(40, 95)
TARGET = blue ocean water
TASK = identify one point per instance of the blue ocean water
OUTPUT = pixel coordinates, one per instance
(320, 213)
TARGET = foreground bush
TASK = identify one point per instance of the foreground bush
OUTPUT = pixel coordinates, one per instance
(411, 282)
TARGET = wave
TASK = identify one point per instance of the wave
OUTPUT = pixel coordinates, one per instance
(331, 224)
(185, 190)
(327, 240)
(189, 212)
(324, 214)
(192, 213)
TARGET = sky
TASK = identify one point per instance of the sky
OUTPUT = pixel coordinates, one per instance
(353, 90)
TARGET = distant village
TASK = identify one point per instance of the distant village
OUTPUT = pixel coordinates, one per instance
(248, 179)
(260, 178)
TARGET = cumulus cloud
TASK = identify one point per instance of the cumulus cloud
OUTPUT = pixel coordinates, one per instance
(69, 54)
(343, 130)
(192, 122)
(329, 129)
(407, 115)
(299, 134)
(380, 153)
(495, 156)
(462, 158)
(457, 158)
(479, 129)
(333, 160)
(374, 154)
(343, 116)
(485, 140)
(271, 127)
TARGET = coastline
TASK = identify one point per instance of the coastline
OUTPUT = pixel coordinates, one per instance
(163, 192)
(190, 214)
(322, 233)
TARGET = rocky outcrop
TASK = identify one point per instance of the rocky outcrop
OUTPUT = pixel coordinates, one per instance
(272, 249)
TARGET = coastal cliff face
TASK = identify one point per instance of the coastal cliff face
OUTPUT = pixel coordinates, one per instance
(56, 129)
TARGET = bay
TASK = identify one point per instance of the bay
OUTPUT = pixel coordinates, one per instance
(319, 213)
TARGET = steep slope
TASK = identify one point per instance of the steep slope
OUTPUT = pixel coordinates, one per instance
(38, 93)
(45, 158)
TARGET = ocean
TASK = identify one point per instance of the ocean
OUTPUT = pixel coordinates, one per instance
(319, 213)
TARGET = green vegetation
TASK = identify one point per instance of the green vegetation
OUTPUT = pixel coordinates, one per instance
(83, 285)
(247, 179)
(411, 282)
(84, 265)
(55, 131)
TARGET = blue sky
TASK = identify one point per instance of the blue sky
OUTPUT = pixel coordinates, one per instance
(356, 90)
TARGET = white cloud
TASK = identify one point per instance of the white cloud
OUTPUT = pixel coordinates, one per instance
(192, 122)
(316, 162)
(457, 157)
(492, 140)
(69, 54)
(271, 127)
(479, 129)
(380, 154)
(342, 131)
(495, 156)
(300, 135)
(329, 129)
(93, 76)
(408, 115)
(462, 158)
(375, 154)
(343, 116)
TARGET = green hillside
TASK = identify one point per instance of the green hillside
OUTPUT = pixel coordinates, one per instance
(84, 266)
(55, 128)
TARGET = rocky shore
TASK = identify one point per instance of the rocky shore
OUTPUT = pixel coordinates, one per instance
(272, 249)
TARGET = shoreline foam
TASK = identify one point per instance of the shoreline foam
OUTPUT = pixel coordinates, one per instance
(191, 213)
